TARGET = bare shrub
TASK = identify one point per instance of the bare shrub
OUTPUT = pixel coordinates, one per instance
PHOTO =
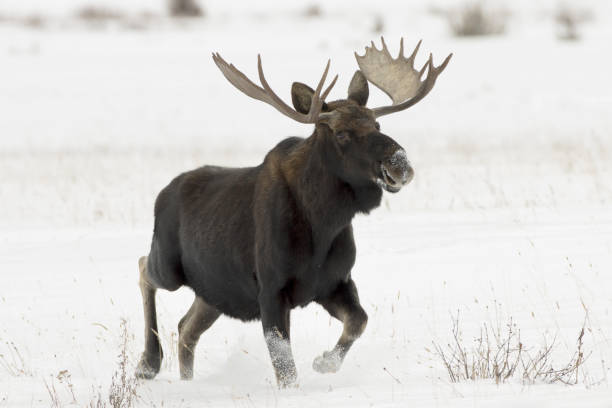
(65, 379)
(312, 11)
(56, 401)
(495, 354)
(568, 19)
(96, 400)
(169, 340)
(185, 8)
(34, 21)
(499, 354)
(12, 361)
(97, 14)
(379, 24)
(122, 392)
(476, 19)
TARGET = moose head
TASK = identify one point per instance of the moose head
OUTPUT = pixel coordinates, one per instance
(358, 151)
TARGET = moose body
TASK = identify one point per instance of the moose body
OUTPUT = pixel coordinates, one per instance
(256, 242)
(214, 224)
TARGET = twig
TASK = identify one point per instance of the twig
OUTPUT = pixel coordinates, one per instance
(391, 375)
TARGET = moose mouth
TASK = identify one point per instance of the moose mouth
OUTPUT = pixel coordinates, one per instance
(386, 182)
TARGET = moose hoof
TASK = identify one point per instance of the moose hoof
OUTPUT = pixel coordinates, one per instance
(287, 379)
(328, 362)
(147, 369)
(288, 382)
(186, 374)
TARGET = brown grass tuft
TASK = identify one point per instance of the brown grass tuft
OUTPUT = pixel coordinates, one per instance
(185, 8)
(499, 354)
(122, 392)
(474, 19)
(12, 361)
(568, 21)
(98, 14)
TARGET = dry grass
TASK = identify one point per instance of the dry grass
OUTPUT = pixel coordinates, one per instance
(101, 17)
(475, 19)
(36, 21)
(98, 14)
(91, 17)
(122, 392)
(169, 341)
(12, 361)
(33, 20)
(185, 8)
(494, 355)
(379, 25)
(568, 21)
(499, 354)
(64, 378)
(312, 11)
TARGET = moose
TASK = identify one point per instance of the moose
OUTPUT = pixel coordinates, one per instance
(256, 242)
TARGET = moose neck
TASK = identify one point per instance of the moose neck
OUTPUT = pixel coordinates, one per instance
(326, 199)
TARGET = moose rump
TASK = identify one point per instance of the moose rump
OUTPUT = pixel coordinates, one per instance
(204, 229)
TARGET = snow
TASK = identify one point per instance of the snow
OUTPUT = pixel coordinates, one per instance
(510, 204)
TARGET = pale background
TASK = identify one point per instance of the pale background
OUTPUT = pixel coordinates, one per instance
(511, 203)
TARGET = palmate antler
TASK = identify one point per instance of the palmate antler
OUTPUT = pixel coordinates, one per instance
(267, 95)
(397, 77)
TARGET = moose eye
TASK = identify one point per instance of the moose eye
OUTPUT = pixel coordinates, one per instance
(343, 136)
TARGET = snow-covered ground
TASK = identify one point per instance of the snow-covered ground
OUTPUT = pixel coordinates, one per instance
(511, 204)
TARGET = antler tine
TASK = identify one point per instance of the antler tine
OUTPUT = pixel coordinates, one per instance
(384, 46)
(414, 53)
(424, 89)
(445, 63)
(317, 102)
(278, 102)
(429, 64)
(397, 77)
(329, 88)
(239, 80)
(266, 94)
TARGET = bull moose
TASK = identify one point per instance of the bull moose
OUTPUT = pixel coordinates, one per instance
(256, 242)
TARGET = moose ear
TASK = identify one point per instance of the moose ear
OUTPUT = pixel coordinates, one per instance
(301, 96)
(358, 89)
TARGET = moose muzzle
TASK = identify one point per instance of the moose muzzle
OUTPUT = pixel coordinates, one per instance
(396, 172)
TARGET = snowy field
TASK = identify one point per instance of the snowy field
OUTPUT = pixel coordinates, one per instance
(509, 215)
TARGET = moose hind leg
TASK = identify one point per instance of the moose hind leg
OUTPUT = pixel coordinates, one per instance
(150, 362)
(198, 319)
(344, 305)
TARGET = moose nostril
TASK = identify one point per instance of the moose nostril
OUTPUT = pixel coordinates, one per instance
(387, 175)
(399, 167)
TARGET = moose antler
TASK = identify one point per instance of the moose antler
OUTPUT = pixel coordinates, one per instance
(267, 95)
(397, 77)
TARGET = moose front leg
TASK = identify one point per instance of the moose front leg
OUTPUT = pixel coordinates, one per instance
(275, 314)
(344, 305)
